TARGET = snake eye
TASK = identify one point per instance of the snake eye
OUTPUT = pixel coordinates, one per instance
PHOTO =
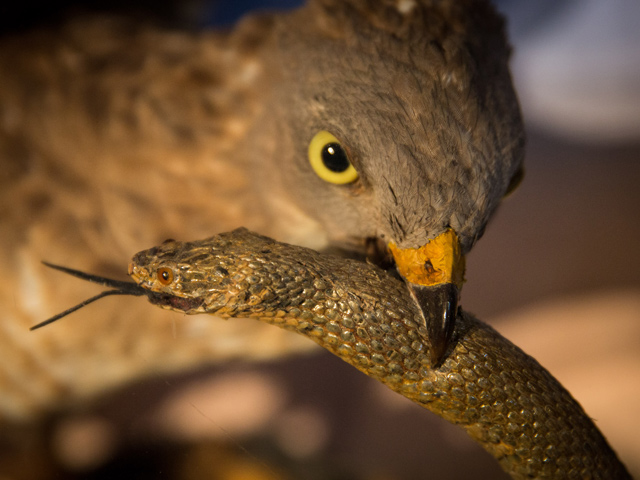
(164, 275)
(329, 159)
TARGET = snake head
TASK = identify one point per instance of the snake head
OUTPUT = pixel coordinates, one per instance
(188, 277)
(172, 282)
(194, 277)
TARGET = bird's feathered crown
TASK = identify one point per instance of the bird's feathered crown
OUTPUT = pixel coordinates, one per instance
(412, 20)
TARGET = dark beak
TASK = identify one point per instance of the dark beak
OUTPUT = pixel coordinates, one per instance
(438, 306)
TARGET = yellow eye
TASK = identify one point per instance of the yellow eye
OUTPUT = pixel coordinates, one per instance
(164, 275)
(329, 159)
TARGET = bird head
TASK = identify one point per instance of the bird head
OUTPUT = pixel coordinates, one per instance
(397, 125)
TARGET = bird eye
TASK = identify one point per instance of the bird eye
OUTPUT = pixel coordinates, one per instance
(164, 275)
(329, 159)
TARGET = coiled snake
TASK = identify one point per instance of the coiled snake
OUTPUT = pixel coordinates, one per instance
(502, 397)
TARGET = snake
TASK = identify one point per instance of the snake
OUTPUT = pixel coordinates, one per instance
(502, 397)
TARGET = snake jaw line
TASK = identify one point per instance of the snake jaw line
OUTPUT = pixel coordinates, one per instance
(176, 303)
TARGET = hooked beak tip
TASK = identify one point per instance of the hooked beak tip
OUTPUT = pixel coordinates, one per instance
(438, 305)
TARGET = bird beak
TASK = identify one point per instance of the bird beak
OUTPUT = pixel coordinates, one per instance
(434, 274)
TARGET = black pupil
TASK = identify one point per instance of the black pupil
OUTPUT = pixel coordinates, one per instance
(165, 275)
(335, 158)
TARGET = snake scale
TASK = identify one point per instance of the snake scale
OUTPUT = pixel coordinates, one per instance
(501, 396)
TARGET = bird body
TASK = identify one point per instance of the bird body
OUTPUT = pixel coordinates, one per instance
(115, 136)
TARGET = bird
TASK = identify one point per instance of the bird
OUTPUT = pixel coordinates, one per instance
(385, 130)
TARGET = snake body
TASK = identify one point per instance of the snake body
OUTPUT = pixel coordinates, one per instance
(501, 396)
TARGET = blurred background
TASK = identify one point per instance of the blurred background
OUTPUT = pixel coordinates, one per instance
(557, 272)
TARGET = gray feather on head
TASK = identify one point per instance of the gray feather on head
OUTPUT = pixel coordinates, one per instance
(420, 96)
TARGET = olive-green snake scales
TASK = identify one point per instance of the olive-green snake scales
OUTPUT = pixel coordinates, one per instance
(502, 397)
